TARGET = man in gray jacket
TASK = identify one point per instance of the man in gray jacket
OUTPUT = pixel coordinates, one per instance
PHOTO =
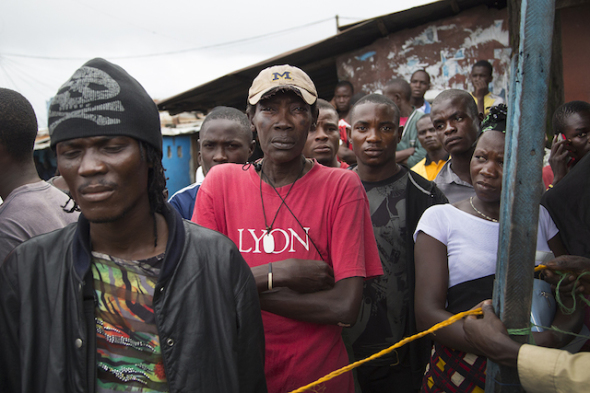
(131, 296)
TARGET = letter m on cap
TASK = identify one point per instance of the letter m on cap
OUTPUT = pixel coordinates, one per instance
(284, 75)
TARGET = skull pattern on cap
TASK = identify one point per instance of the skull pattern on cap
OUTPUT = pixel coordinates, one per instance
(79, 91)
(102, 99)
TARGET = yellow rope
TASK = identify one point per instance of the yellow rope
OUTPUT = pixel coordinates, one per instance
(540, 267)
(403, 342)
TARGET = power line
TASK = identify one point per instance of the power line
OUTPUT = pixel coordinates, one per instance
(126, 21)
(20, 68)
(23, 77)
(8, 75)
(267, 35)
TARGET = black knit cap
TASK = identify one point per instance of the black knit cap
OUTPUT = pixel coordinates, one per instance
(102, 99)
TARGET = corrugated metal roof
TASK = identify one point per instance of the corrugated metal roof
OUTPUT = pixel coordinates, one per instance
(318, 60)
(42, 139)
(185, 129)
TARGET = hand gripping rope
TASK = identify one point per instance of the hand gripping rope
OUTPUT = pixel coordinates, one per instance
(450, 321)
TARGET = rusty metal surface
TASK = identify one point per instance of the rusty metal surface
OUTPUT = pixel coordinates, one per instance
(318, 60)
(447, 48)
(575, 33)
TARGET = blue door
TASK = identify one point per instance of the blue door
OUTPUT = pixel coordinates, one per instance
(176, 161)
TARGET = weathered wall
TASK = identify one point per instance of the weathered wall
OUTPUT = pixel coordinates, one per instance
(447, 49)
(575, 38)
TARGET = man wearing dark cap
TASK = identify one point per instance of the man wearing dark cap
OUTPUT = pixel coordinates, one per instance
(303, 228)
(131, 298)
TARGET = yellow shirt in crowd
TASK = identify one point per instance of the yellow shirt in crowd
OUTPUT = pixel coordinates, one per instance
(429, 169)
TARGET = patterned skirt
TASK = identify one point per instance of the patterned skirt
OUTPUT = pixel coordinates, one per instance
(454, 371)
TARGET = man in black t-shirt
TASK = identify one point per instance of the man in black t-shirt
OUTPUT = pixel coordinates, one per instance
(397, 199)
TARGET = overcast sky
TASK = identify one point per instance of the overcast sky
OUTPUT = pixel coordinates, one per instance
(169, 46)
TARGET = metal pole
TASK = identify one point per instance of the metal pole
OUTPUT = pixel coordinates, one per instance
(522, 186)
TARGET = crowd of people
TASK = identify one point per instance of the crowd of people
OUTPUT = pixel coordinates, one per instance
(369, 218)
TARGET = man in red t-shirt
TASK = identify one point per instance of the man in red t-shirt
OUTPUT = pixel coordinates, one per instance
(303, 228)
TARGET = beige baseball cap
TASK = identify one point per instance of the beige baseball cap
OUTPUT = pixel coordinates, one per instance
(282, 76)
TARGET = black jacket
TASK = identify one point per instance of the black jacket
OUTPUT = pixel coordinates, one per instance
(205, 302)
(421, 194)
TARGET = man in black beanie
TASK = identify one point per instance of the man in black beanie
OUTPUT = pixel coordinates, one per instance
(132, 297)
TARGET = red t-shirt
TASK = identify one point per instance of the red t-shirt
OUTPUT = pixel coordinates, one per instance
(342, 127)
(547, 174)
(332, 206)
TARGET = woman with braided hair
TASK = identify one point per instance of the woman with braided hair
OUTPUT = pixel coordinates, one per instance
(455, 251)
